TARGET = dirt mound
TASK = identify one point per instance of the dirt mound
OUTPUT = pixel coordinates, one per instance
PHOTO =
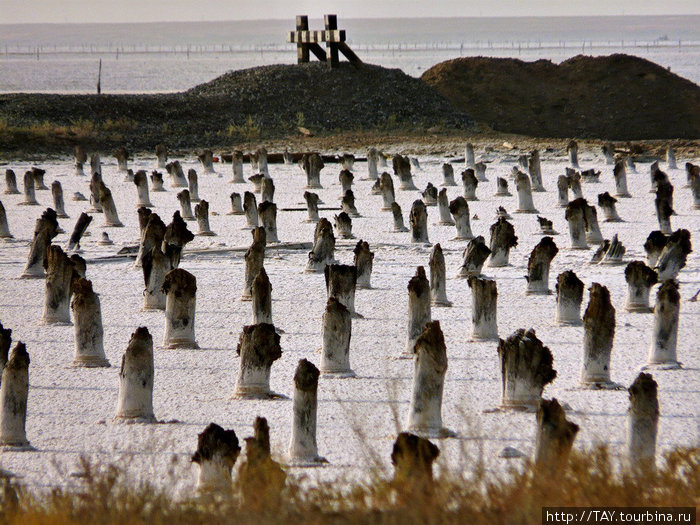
(349, 97)
(616, 97)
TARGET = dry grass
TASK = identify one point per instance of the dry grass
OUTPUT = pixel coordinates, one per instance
(472, 496)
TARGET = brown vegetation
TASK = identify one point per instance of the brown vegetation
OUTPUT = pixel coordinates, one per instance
(590, 478)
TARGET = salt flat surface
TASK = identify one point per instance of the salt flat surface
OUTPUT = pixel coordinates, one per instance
(70, 409)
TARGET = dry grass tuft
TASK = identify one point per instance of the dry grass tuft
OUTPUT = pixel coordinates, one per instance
(473, 496)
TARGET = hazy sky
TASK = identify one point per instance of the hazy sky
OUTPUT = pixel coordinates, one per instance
(38, 11)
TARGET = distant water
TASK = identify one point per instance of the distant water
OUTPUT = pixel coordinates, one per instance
(166, 57)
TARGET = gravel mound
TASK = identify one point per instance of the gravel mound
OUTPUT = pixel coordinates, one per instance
(348, 97)
(615, 97)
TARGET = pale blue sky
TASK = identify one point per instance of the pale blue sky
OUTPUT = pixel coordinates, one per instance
(41, 11)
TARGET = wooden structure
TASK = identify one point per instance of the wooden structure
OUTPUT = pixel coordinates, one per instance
(309, 41)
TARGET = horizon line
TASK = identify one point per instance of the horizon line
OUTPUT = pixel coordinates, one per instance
(356, 18)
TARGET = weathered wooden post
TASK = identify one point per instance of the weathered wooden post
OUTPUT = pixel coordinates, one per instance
(216, 454)
(108, 207)
(10, 183)
(348, 204)
(640, 278)
(576, 219)
(402, 169)
(503, 238)
(206, 157)
(538, 266)
(671, 158)
(398, 218)
(642, 423)
(258, 347)
(438, 278)
(343, 226)
(201, 212)
(185, 205)
(4, 227)
(607, 204)
(653, 246)
(303, 450)
(58, 288)
(80, 157)
(413, 457)
(254, 259)
(250, 208)
(38, 175)
(267, 211)
(430, 195)
(555, 437)
(174, 169)
(608, 151)
(267, 190)
(662, 352)
(546, 226)
(122, 156)
(572, 150)
(562, 191)
(261, 292)
(574, 179)
(45, 229)
(469, 185)
(141, 182)
(674, 255)
(620, 175)
(29, 191)
(526, 368)
(193, 185)
(459, 208)
(443, 205)
(180, 288)
(58, 204)
(79, 229)
(524, 189)
(419, 222)
(535, 169)
(336, 334)
(430, 366)
(418, 308)
(664, 205)
(135, 403)
(599, 332)
(341, 282)
(14, 391)
(5, 343)
(484, 308)
(386, 185)
(261, 479)
(473, 258)
(161, 156)
(157, 181)
(569, 297)
(363, 261)
(469, 159)
(312, 164)
(372, 164)
(237, 167)
(448, 175)
(311, 206)
(87, 317)
(502, 188)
